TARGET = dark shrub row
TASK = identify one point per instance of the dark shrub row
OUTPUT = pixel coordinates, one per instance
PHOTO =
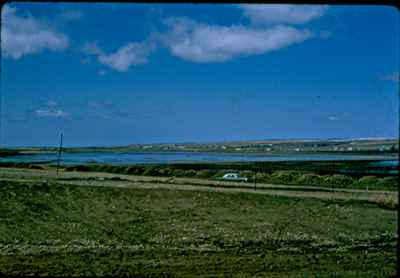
(20, 165)
(337, 181)
(276, 177)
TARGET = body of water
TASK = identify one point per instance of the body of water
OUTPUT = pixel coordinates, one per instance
(174, 157)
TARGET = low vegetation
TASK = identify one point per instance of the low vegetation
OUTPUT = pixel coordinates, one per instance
(274, 177)
(309, 174)
(8, 152)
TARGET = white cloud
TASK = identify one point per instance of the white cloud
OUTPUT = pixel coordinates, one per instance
(134, 53)
(282, 13)
(333, 118)
(51, 113)
(26, 35)
(204, 43)
(207, 43)
(130, 54)
(395, 76)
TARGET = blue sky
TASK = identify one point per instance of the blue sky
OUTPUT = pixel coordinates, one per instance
(118, 74)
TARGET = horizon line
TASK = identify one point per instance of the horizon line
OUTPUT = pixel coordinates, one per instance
(337, 139)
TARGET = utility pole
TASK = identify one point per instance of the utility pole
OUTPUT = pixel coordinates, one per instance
(59, 154)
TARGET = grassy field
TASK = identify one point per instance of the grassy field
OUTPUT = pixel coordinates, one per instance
(55, 228)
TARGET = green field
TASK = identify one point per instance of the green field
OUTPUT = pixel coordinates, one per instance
(50, 228)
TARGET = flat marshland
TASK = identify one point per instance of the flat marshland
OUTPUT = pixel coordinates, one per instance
(102, 224)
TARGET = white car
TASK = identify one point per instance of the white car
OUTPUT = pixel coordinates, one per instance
(233, 177)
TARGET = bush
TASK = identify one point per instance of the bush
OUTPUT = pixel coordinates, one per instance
(69, 168)
(129, 170)
(32, 166)
(338, 181)
(139, 171)
(262, 176)
(247, 174)
(178, 173)
(102, 168)
(165, 172)
(80, 168)
(368, 181)
(151, 171)
(206, 173)
(116, 169)
(310, 179)
(219, 174)
(285, 177)
(385, 201)
(390, 182)
(190, 173)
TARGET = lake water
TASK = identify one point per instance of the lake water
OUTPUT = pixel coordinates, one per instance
(174, 157)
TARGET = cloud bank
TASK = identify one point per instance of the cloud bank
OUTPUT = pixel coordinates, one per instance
(51, 113)
(282, 13)
(271, 29)
(133, 53)
(203, 43)
(22, 36)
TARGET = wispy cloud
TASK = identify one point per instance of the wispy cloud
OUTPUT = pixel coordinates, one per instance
(133, 53)
(100, 104)
(203, 43)
(56, 113)
(130, 54)
(27, 35)
(339, 117)
(282, 13)
(395, 76)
